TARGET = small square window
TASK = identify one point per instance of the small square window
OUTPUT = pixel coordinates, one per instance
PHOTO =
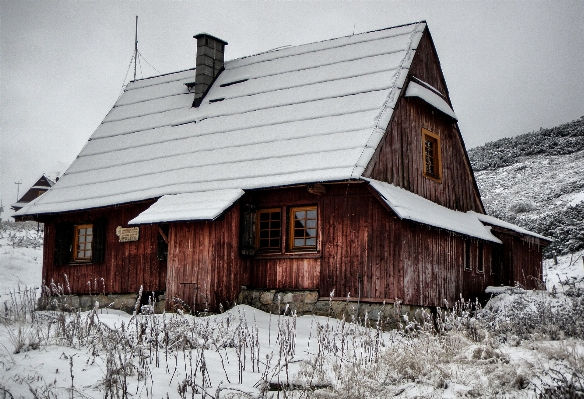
(303, 227)
(269, 229)
(431, 155)
(83, 239)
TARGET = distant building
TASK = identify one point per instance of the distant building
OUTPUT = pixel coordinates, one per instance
(45, 182)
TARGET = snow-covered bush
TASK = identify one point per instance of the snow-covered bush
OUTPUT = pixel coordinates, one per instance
(564, 139)
(22, 234)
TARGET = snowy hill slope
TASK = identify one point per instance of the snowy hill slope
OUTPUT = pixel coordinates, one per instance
(536, 180)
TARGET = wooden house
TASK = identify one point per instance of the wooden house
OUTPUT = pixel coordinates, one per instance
(331, 167)
(45, 182)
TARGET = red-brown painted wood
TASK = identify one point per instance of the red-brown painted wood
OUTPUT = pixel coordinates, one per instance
(126, 266)
(398, 158)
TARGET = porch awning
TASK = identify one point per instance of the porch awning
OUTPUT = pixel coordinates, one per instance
(410, 206)
(416, 90)
(203, 205)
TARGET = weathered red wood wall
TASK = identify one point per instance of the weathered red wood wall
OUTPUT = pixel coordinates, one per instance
(520, 260)
(126, 266)
(204, 266)
(285, 270)
(366, 250)
(363, 249)
(398, 159)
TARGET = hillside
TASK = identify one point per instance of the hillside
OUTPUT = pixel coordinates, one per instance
(536, 180)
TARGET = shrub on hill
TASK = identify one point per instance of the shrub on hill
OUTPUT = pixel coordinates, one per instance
(560, 140)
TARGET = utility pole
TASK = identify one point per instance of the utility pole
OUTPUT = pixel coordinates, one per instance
(18, 183)
(136, 48)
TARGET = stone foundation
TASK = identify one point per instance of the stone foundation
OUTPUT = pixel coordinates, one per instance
(70, 303)
(307, 302)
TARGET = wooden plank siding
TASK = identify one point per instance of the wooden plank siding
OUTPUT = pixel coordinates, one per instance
(126, 266)
(204, 268)
(520, 259)
(363, 249)
(398, 159)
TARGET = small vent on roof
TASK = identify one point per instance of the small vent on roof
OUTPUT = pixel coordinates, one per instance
(233, 83)
(216, 100)
(190, 86)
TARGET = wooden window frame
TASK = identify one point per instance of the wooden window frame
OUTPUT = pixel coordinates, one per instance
(291, 228)
(480, 258)
(74, 257)
(467, 258)
(437, 155)
(258, 248)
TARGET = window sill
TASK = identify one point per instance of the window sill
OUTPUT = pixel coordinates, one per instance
(434, 178)
(289, 255)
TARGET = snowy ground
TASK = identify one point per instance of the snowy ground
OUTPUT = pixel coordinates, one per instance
(21, 256)
(570, 269)
(523, 344)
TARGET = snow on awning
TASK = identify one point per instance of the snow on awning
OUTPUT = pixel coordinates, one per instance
(416, 90)
(410, 206)
(493, 221)
(204, 205)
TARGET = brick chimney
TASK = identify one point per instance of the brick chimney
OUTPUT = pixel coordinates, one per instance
(210, 50)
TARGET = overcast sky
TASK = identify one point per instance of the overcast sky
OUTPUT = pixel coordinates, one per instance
(510, 67)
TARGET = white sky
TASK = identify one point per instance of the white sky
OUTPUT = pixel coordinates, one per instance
(510, 67)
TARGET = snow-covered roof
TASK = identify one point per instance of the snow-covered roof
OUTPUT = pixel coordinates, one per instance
(52, 177)
(493, 221)
(410, 206)
(416, 90)
(206, 205)
(304, 114)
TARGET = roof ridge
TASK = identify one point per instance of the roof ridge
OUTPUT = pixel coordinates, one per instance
(162, 74)
(387, 101)
(325, 40)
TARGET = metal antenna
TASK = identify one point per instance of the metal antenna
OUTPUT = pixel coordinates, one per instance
(136, 48)
(18, 183)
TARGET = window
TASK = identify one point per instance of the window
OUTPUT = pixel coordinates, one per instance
(79, 243)
(162, 247)
(302, 228)
(480, 263)
(467, 266)
(269, 229)
(279, 230)
(83, 239)
(431, 155)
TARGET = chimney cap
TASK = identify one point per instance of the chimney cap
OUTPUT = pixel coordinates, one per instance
(203, 34)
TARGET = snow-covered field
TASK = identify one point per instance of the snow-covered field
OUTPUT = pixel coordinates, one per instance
(523, 344)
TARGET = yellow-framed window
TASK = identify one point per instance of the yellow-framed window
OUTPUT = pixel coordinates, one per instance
(82, 242)
(303, 228)
(432, 162)
(269, 229)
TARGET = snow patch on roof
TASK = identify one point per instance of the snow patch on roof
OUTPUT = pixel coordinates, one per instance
(491, 220)
(416, 90)
(206, 205)
(410, 206)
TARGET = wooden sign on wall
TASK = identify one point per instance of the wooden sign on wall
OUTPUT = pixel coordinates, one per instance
(127, 234)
